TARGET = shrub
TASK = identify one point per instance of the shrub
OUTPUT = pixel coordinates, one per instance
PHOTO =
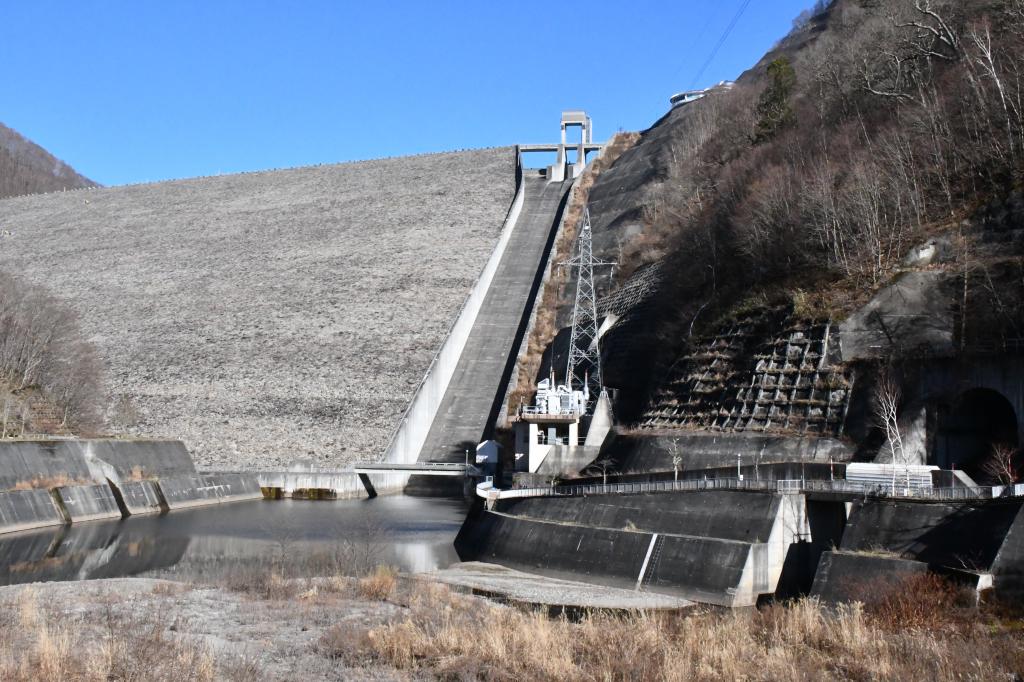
(380, 584)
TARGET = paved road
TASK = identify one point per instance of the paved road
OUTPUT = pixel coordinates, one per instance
(471, 403)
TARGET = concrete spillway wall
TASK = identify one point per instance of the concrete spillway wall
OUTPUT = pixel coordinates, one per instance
(717, 547)
(407, 440)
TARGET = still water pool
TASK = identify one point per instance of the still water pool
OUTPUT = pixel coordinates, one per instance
(293, 537)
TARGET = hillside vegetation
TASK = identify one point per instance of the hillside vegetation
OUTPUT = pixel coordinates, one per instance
(27, 168)
(876, 124)
(50, 377)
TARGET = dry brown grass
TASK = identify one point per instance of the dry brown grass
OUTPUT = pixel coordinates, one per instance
(454, 637)
(37, 645)
(380, 584)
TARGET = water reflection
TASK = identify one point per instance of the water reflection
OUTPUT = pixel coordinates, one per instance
(296, 538)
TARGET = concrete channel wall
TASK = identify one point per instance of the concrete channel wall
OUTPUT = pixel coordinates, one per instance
(70, 481)
(198, 490)
(142, 497)
(717, 547)
(91, 460)
(88, 502)
(407, 440)
(28, 509)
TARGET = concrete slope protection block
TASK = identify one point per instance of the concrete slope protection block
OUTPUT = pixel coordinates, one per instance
(28, 509)
(88, 502)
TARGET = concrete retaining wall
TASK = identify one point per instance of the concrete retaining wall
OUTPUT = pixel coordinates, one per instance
(717, 547)
(723, 514)
(843, 577)
(27, 509)
(606, 557)
(235, 487)
(88, 502)
(712, 450)
(182, 492)
(26, 461)
(91, 460)
(984, 537)
(1008, 566)
(142, 497)
(952, 535)
(409, 437)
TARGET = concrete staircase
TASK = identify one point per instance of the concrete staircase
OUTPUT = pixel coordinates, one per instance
(473, 398)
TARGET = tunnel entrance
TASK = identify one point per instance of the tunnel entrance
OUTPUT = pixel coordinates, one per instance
(967, 431)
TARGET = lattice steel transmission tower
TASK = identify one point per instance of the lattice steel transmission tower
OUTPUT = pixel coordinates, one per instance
(584, 370)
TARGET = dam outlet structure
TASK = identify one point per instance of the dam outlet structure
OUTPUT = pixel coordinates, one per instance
(457, 404)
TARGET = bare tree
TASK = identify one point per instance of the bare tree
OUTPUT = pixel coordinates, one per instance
(887, 403)
(604, 464)
(1002, 464)
(42, 348)
(677, 458)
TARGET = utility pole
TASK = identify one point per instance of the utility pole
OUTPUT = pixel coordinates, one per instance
(584, 366)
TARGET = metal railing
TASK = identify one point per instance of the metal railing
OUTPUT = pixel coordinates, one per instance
(793, 486)
(539, 411)
(542, 439)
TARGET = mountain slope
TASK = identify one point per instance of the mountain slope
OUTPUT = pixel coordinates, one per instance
(874, 127)
(27, 168)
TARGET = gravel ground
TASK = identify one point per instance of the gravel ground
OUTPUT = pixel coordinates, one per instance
(270, 316)
(533, 589)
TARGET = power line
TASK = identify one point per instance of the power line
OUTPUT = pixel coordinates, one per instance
(721, 41)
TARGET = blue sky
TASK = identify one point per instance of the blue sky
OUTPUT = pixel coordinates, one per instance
(141, 91)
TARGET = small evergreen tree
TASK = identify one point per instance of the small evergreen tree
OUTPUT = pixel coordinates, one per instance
(773, 108)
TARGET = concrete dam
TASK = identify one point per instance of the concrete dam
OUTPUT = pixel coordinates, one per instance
(351, 313)
(267, 317)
